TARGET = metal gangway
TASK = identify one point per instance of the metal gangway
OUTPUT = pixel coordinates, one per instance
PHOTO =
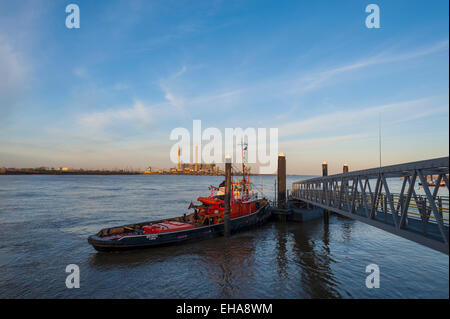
(399, 199)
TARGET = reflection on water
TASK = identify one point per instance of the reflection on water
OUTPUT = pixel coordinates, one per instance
(314, 260)
(282, 261)
(278, 260)
(346, 231)
(222, 262)
(229, 265)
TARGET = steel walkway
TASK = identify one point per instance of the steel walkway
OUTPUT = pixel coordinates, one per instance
(396, 198)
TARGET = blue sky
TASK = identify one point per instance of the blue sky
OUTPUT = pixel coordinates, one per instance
(107, 95)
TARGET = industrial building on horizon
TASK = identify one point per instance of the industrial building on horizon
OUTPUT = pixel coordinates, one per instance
(195, 168)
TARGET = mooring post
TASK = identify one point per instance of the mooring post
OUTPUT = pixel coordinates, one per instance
(326, 213)
(324, 169)
(227, 204)
(345, 168)
(281, 181)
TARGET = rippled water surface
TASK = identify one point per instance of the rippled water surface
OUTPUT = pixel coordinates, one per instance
(45, 222)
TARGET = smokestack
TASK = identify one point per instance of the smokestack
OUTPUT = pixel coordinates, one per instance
(196, 157)
(179, 153)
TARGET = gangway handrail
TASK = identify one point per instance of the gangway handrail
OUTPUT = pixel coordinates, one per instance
(351, 194)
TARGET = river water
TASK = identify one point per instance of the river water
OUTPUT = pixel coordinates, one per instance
(45, 222)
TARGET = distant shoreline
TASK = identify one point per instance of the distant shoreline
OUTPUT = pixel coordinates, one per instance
(97, 172)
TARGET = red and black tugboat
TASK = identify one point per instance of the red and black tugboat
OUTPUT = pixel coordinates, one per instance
(206, 220)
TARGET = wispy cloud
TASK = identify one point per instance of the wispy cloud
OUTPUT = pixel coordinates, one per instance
(179, 73)
(355, 118)
(13, 72)
(80, 72)
(120, 86)
(306, 144)
(139, 114)
(177, 102)
(186, 104)
(169, 95)
(315, 80)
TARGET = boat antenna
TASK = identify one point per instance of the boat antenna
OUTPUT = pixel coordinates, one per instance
(244, 148)
(261, 183)
(379, 136)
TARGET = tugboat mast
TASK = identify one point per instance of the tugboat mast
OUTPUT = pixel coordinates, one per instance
(244, 181)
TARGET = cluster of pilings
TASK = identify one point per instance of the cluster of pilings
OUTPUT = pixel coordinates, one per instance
(283, 206)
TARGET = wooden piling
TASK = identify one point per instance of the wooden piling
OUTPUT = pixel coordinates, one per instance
(227, 204)
(326, 213)
(281, 181)
(345, 168)
(324, 169)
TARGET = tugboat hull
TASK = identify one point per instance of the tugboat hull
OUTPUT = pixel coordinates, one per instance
(136, 241)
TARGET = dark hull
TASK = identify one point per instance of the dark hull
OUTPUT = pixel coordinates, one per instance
(163, 239)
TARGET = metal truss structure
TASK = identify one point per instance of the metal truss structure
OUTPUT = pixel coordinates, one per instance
(416, 210)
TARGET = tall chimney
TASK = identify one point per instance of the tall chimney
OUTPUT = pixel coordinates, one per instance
(196, 157)
(179, 153)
